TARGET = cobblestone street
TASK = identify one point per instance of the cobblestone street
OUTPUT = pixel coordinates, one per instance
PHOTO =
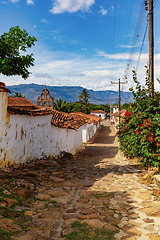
(97, 186)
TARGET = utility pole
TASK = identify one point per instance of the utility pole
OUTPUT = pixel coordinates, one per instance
(119, 98)
(151, 47)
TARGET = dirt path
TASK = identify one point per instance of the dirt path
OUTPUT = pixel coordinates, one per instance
(98, 187)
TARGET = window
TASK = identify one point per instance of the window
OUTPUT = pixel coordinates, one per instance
(42, 96)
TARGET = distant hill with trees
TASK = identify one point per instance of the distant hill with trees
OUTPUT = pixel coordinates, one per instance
(70, 93)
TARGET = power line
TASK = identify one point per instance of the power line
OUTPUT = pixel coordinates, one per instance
(114, 30)
(129, 22)
(142, 45)
(136, 36)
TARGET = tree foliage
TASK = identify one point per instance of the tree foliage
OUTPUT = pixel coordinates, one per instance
(103, 107)
(17, 94)
(12, 44)
(59, 104)
(63, 106)
(84, 97)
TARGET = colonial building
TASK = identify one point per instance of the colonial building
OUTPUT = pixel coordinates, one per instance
(28, 132)
(45, 99)
(99, 113)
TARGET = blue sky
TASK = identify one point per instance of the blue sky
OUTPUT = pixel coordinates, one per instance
(82, 42)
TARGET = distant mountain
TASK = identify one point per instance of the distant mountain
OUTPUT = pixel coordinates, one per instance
(70, 94)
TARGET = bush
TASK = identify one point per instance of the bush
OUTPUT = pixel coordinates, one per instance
(139, 133)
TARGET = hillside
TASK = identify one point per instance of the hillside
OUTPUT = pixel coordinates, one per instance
(70, 94)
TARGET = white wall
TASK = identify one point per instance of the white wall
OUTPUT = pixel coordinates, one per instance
(88, 131)
(115, 109)
(102, 115)
(24, 137)
(4, 122)
(32, 137)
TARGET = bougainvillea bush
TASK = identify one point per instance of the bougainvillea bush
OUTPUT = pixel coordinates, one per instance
(139, 131)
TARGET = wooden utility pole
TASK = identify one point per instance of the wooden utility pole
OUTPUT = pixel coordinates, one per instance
(119, 98)
(151, 47)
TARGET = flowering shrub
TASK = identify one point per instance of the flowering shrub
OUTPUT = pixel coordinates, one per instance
(128, 114)
(139, 132)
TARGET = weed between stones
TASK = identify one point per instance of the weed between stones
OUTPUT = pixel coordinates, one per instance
(83, 231)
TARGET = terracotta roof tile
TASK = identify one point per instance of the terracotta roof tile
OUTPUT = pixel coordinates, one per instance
(116, 114)
(3, 88)
(21, 102)
(72, 120)
(97, 111)
(34, 112)
(59, 119)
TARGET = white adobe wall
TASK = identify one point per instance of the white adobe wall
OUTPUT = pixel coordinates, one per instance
(115, 109)
(4, 122)
(88, 131)
(25, 137)
(102, 115)
(32, 137)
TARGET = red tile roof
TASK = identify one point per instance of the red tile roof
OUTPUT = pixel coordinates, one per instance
(34, 112)
(116, 114)
(3, 88)
(21, 102)
(72, 120)
(97, 111)
(17, 105)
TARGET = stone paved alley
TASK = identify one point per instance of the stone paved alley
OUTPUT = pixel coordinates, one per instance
(98, 186)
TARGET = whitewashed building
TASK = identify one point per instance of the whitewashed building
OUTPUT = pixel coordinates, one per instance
(28, 132)
(99, 113)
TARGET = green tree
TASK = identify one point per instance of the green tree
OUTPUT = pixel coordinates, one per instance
(103, 107)
(79, 107)
(12, 44)
(59, 104)
(126, 106)
(17, 94)
(84, 96)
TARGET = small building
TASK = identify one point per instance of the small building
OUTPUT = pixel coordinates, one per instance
(115, 117)
(45, 100)
(99, 113)
(21, 103)
(115, 108)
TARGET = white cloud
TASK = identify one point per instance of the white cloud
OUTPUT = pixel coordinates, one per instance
(96, 72)
(14, 1)
(128, 46)
(103, 11)
(84, 49)
(29, 2)
(61, 6)
(44, 21)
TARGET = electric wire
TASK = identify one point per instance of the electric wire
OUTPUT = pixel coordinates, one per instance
(128, 27)
(114, 30)
(142, 45)
(127, 33)
(136, 37)
(155, 2)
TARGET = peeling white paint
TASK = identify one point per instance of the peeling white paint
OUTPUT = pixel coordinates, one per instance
(24, 138)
